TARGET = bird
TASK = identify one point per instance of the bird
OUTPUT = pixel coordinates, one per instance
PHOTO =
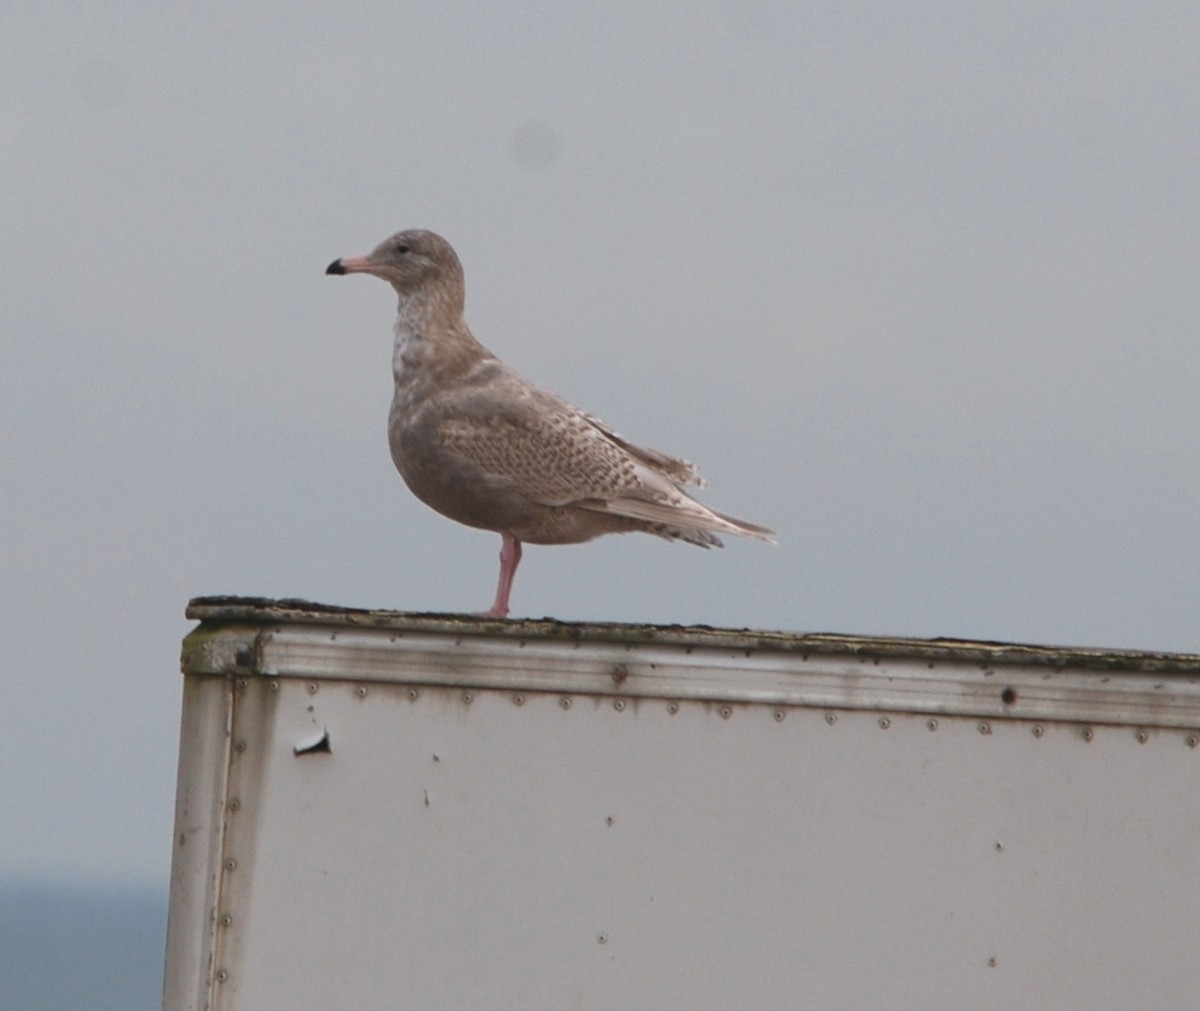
(482, 445)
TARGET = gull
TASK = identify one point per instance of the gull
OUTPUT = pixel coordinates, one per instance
(481, 444)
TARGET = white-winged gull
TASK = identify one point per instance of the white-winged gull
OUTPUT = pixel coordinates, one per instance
(486, 447)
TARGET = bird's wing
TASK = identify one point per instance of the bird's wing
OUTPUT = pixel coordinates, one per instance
(539, 445)
(684, 513)
(552, 454)
(679, 471)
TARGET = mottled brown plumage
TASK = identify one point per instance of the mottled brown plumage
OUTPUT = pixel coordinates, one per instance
(484, 446)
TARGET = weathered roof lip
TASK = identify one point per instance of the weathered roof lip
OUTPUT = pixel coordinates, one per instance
(218, 610)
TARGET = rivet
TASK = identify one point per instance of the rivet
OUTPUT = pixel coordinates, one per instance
(725, 712)
(831, 718)
(609, 821)
(884, 723)
(619, 673)
(226, 920)
(1193, 740)
(1142, 737)
(992, 962)
(999, 847)
(361, 691)
(1008, 696)
(932, 724)
(240, 744)
(274, 686)
(673, 708)
(222, 975)
(231, 864)
(1087, 733)
(519, 700)
(985, 728)
(619, 705)
(242, 682)
(602, 938)
(468, 697)
(1037, 730)
(565, 703)
(312, 688)
(412, 694)
(779, 714)
(235, 804)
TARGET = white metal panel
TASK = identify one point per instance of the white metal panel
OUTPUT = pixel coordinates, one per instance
(521, 821)
(515, 853)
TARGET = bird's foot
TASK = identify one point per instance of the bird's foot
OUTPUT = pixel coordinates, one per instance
(493, 613)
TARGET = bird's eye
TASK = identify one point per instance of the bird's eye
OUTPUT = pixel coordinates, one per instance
(402, 248)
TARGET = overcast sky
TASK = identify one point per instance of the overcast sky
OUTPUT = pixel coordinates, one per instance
(915, 285)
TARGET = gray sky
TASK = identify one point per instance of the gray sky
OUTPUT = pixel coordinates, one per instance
(916, 286)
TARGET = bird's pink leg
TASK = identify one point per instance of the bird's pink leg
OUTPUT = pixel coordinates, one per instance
(510, 558)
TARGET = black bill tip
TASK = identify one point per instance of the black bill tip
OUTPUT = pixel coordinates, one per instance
(335, 268)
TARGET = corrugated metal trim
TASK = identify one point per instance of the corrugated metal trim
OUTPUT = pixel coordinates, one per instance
(285, 639)
(258, 610)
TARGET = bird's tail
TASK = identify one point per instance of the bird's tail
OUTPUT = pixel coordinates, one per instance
(747, 529)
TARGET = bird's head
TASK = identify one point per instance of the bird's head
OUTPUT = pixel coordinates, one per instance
(412, 262)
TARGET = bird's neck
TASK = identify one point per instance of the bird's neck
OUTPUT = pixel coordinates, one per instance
(432, 347)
